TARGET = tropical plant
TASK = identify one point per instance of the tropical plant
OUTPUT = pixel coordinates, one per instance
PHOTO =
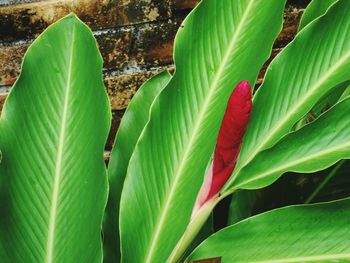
(53, 129)
(186, 142)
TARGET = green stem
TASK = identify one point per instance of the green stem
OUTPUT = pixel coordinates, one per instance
(195, 225)
(324, 182)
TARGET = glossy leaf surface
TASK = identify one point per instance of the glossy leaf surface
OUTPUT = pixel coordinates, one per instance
(314, 10)
(305, 233)
(130, 128)
(53, 129)
(312, 148)
(317, 60)
(214, 49)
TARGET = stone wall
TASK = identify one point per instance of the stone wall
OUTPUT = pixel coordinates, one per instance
(135, 38)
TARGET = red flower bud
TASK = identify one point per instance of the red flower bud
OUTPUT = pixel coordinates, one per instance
(233, 127)
(228, 145)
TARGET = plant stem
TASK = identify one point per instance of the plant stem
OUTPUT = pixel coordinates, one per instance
(195, 225)
(324, 182)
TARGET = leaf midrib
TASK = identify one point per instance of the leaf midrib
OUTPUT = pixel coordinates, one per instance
(58, 165)
(280, 124)
(197, 125)
(295, 163)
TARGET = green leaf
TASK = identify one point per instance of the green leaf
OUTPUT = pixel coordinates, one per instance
(241, 206)
(312, 148)
(130, 128)
(304, 233)
(317, 60)
(314, 10)
(214, 50)
(53, 129)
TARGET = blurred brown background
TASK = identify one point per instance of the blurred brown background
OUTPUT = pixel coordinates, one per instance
(135, 38)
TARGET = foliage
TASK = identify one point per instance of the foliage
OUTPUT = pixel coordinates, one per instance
(53, 179)
(291, 234)
(54, 182)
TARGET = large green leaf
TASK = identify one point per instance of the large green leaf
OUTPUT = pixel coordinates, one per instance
(314, 10)
(130, 128)
(305, 233)
(242, 202)
(317, 60)
(52, 135)
(312, 148)
(215, 48)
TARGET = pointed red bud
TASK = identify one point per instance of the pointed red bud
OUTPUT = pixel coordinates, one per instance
(233, 127)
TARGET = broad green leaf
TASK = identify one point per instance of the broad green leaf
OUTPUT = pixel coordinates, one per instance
(317, 60)
(312, 148)
(314, 10)
(304, 233)
(53, 129)
(241, 206)
(215, 48)
(130, 128)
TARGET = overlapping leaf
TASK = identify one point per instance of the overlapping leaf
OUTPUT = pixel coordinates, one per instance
(242, 200)
(306, 233)
(314, 10)
(130, 128)
(308, 68)
(52, 134)
(216, 47)
(312, 148)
